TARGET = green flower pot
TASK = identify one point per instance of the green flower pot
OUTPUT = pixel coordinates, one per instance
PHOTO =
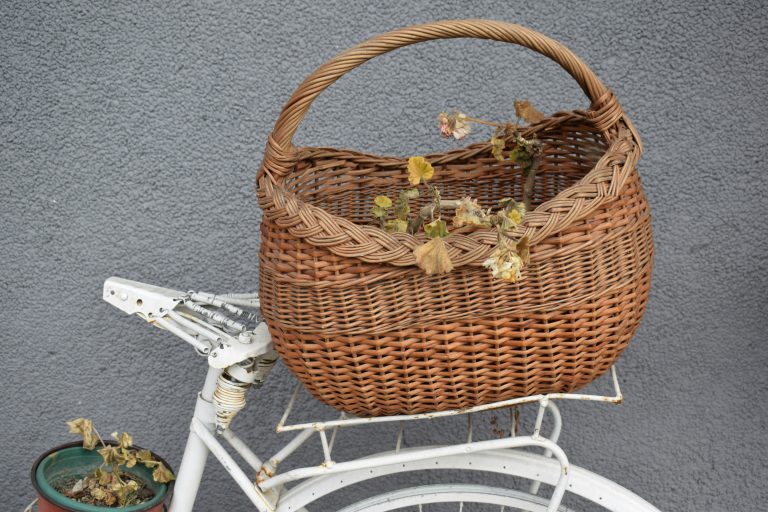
(73, 461)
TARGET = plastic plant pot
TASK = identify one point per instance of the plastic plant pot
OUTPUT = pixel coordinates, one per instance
(73, 461)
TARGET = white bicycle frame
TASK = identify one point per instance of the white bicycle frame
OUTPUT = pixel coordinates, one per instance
(229, 345)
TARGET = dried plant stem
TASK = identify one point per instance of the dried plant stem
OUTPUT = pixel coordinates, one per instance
(427, 212)
(116, 472)
(529, 178)
(436, 211)
(450, 204)
(487, 123)
(103, 444)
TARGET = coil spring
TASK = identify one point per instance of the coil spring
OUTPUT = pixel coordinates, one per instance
(228, 399)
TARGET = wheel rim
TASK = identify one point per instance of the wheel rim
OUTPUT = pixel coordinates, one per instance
(452, 493)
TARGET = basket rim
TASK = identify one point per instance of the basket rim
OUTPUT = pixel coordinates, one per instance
(366, 242)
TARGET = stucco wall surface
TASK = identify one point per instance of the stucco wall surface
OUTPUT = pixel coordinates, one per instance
(130, 134)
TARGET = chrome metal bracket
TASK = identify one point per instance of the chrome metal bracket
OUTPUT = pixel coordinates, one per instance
(218, 326)
(145, 300)
(248, 345)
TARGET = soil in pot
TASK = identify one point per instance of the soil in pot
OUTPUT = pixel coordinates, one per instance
(78, 489)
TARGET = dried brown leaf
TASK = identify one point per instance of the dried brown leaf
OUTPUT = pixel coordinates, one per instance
(124, 440)
(84, 427)
(527, 112)
(432, 257)
(396, 226)
(162, 474)
(436, 229)
(497, 147)
(419, 169)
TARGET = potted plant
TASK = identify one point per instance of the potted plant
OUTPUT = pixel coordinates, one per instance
(95, 474)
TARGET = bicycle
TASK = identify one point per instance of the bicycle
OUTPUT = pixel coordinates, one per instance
(229, 331)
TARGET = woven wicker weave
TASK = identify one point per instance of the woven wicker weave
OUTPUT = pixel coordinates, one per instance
(368, 332)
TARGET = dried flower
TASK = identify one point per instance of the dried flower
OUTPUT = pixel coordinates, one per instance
(455, 125)
(505, 263)
(515, 213)
(512, 213)
(445, 130)
(469, 213)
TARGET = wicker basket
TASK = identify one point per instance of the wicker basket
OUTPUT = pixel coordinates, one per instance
(368, 332)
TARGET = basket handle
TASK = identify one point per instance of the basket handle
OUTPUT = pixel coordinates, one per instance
(604, 111)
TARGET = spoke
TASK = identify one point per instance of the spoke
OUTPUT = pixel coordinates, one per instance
(400, 434)
(469, 428)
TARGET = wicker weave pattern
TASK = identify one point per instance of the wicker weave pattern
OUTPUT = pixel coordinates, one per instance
(368, 332)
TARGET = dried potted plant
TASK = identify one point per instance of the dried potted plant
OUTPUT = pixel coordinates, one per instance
(95, 474)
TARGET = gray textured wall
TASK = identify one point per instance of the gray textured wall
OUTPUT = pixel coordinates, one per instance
(130, 135)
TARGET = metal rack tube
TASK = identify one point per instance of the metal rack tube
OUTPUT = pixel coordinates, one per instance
(416, 455)
(201, 329)
(226, 460)
(240, 447)
(352, 421)
(556, 429)
(326, 449)
(270, 466)
(173, 327)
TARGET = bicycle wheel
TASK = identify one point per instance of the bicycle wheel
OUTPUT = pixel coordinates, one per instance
(414, 498)
(534, 467)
